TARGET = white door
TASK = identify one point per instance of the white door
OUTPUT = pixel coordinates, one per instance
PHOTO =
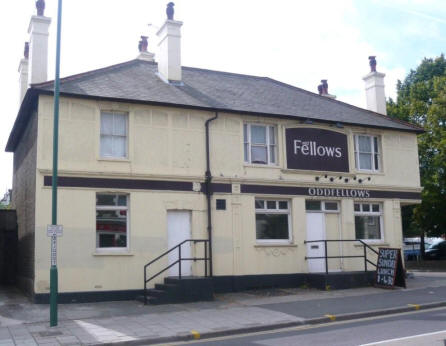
(316, 231)
(178, 229)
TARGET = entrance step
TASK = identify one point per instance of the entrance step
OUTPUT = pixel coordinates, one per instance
(184, 290)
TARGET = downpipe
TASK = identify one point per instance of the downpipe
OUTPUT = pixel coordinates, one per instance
(208, 190)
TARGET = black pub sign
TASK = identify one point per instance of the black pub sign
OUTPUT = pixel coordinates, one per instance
(316, 150)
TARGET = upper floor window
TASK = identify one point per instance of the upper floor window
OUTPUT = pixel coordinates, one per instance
(367, 153)
(260, 144)
(114, 133)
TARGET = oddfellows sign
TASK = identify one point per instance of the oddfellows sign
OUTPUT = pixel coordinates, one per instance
(316, 150)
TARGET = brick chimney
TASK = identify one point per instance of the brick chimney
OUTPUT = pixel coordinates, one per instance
(374, 89)
(38, 45)
(169, 60)
(23, 73)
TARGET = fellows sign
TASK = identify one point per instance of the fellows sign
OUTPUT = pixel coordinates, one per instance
(316, 150)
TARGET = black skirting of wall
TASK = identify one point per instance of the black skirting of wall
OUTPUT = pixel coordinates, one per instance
(227, 284)
(89, 296)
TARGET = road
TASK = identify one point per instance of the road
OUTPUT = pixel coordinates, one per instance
(426, 327)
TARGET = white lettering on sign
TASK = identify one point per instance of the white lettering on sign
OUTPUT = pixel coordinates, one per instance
(53, 250)
(313, 149)
(330, 192)
(56, 230)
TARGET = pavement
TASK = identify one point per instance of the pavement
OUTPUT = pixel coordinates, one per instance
(132, 323)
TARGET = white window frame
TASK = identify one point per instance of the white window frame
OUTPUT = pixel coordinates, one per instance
(247, 141)
(101, 135)
(323, 209)
(274, 211)
(373, 152)
(380, 213)
(111, 207)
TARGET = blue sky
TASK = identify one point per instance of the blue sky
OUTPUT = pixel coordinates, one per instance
(297, 42)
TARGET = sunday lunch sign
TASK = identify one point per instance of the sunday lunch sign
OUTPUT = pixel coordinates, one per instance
(316, 150)
(389, 269)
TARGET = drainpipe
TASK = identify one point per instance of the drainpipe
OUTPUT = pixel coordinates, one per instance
(208, 191)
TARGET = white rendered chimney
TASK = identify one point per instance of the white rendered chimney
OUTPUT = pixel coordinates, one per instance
(374, 89)
(38, 45)
(23, 73)
(169, 59)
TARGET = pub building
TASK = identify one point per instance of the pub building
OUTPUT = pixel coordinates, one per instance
(245, 176)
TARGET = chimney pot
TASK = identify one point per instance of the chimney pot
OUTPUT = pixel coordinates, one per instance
(170, 11)
(142, 46)
(40, 6)
(372, 63)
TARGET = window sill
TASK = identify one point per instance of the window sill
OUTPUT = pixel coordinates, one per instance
(372, 243)
(365, 171)
(275, 245)
(258, 165)
(112, 253)
(113, 159)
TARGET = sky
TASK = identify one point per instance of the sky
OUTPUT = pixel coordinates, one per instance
(298, 42)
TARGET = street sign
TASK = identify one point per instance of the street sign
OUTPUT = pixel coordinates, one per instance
(54, 230)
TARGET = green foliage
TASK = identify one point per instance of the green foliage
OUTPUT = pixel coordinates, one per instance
(421, 99)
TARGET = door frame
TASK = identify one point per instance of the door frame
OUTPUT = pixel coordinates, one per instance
(186, 266)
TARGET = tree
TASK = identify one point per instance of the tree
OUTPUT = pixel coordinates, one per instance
(421, 99)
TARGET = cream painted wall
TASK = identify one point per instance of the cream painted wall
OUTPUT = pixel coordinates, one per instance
(167, 143)
(170, 142)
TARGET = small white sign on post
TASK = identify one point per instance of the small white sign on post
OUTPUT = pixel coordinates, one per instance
(54, 231)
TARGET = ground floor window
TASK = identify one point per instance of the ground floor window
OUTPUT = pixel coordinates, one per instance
(111, 221)
(322, 206)
(272, 220)
(368, 221)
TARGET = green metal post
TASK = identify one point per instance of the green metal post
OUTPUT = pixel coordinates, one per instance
(53, 270)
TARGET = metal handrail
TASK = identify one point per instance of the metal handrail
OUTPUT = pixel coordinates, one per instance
(326, 257)
(206, 259)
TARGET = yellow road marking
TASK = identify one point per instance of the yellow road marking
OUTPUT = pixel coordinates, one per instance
(415, 306)
(331, 317)
(195, 334)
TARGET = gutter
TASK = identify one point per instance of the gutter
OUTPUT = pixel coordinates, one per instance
(208, 190)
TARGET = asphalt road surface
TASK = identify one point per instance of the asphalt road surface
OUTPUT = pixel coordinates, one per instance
(419, 328)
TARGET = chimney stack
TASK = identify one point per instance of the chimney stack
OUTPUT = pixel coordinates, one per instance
(374, 89)
(38, 45)
(169, 61)
(323, 89)
(144, 54)
(23, 73)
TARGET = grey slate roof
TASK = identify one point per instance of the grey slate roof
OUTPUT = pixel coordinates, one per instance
(137, 81)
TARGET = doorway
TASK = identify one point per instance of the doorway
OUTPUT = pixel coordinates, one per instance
(178, 230)
(323, 223)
